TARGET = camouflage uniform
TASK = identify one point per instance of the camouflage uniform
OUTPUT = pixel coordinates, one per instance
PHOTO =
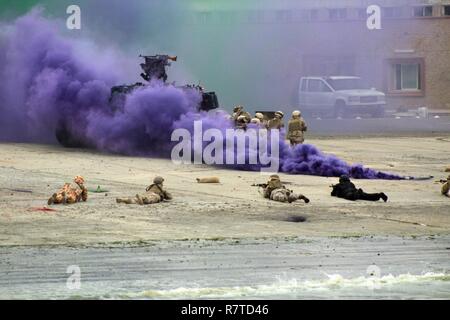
(446, 188)
(277, 122)
(154, 193)
(296, 129)
(241, 117)
(259, 119)
(276, 191)
(70, 193)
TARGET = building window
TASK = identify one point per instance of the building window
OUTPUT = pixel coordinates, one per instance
(406, 76)
(337, 14)
(446, 10)
(423, 11)
(226, 17)
(256, 16)
(314, 14)
(362, 14)
(283, 16)
(392, 12)
(204, 17)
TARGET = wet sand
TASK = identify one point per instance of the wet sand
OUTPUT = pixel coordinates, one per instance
(295, 268)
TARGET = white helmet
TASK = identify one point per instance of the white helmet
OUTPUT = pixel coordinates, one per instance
(296, 113)
(259, 116)
(280, 114)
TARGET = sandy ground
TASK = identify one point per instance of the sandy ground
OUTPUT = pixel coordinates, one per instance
(231, 209)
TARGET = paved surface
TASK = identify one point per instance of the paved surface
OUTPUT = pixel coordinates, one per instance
(378, 127)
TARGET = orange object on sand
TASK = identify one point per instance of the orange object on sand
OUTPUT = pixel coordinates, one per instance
(41, 209)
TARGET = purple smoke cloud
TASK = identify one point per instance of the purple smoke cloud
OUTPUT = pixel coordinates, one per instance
(45, 82)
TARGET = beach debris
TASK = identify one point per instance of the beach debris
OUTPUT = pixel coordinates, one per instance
(44, 209)
(295, 218)
(98, 190)
(18, 190)
(208, 180)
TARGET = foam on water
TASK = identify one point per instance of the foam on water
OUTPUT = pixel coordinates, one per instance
(334, 286)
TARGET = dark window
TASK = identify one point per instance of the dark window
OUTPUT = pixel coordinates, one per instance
(283, 16)
(204, 17)
(447, 10)
(407, 76)
(362, 13)
(337, 14)
(392, 12)
(256, 16)
(423, 11)
(226, 17)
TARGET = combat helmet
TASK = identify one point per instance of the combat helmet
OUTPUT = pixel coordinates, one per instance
(344, 178)
(158, 180)
(242, 119)
(296, 113)
(79, 180)
(237, 108)
(279, 113)
(259, 116)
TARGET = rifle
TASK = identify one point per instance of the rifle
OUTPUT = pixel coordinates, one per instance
(262, 185)
(159, 57)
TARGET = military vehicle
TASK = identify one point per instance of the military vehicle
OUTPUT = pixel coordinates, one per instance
(154, 67)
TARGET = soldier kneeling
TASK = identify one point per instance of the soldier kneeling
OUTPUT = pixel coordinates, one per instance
(154, 193)
(276, 191)
(70, 193)
(347, 190)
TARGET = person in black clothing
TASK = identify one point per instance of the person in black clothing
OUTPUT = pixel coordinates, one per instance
(347, 190)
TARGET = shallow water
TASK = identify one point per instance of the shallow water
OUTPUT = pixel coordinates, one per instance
(318, 268)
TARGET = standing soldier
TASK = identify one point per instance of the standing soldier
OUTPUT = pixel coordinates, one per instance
(255, 121)
(276, 191)
(259, 120)
(262, 121)
(70, 193)
(154, 193)
(277, 122)
(296, 128)
(446, 187)
(241, 117)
